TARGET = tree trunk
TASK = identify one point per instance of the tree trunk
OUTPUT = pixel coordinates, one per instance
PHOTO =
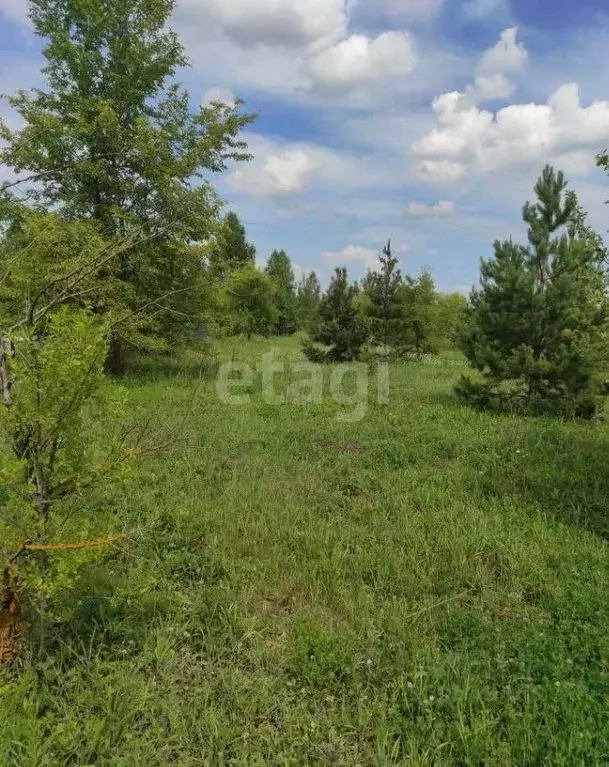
(5, 381)
(116, 362)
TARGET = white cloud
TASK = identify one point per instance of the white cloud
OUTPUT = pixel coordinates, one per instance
(284, 23)
(353, 254)
(439, 210)
(441, 171)
(506, 56)
(359, 60)
(285, 172)
(218, 93)
(303, 51)
(281, 168)
(467, 138)
(489, 88)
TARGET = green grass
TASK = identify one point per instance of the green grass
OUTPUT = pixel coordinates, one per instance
(428, 586)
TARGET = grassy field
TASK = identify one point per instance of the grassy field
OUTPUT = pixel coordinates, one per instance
(428, 586)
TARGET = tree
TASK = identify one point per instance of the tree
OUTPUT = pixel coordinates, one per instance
(251, 298)
(308, 300)
(535, 327)
(53, 450)
(342, 327)
(450, 311)
(229, 250)
(113, 139)
(418, 298)
(279, 270)
(385, 307)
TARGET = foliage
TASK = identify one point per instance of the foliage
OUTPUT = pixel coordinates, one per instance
(536, 326)
(251, 302)
(229, 249)
(449, 313)
(385, 307)
(281, 274)
(418, 297)
(342, 327)
(59, 400)
(308, 300)
(113, 139)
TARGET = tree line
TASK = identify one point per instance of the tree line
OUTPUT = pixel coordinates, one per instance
(396, 314)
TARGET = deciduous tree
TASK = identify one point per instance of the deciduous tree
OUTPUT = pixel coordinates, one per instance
(112, 138)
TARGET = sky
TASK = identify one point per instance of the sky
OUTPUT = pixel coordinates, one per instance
(423, 121)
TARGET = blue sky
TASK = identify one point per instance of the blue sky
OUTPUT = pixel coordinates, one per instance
(426, 121)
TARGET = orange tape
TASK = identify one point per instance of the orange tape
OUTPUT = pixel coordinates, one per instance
(72, 546)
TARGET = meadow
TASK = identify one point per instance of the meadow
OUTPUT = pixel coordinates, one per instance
(425, 586)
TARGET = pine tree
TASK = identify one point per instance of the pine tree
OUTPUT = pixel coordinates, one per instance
(308, 300)
(342, 327)
(385, 307)
(280, 272)
(113, 139)
(535, 327)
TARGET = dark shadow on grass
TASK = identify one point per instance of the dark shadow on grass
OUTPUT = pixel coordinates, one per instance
(162, 367)
(565, 475)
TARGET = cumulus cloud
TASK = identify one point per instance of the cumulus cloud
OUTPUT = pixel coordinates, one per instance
(359, 60)
(439, 210)
(281, 168)
(478, 140)
(490, 88)
(301, 48)
(285, 23)
(218, 93)
(442, 171)
(285, 172)
(506, 56)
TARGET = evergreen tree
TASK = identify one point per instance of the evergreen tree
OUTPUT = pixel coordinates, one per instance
(251, 298)
(229, 249)
(342, 327)
(535, 327)
(280, 272)
(385, 307)
(113, 139)
(308, 300)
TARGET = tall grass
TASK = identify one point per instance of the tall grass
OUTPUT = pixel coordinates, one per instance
(425, 587)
